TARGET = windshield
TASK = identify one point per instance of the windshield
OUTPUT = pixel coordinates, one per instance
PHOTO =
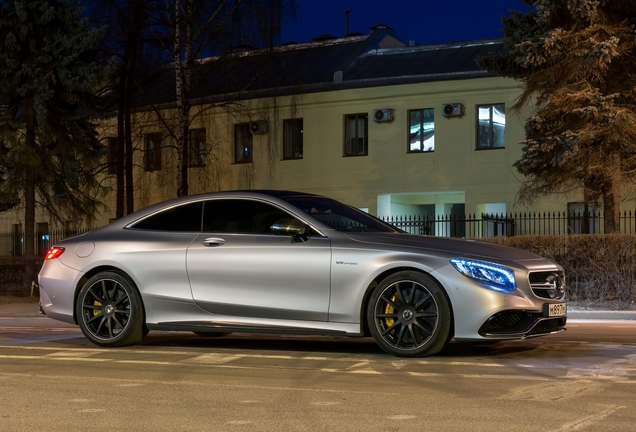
(337, 215)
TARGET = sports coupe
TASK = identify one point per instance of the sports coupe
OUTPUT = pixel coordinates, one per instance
(292, 262)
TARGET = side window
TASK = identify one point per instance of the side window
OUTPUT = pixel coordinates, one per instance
(240, 216)
(186, 217)
(491, 126)
(421, 130)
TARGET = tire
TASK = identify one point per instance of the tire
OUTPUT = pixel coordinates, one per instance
(211, 334)
(109, 310)
(409, 315)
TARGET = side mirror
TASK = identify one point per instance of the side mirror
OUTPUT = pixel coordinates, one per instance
(290, 227)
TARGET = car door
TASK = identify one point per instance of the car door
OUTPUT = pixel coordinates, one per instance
(238, 268)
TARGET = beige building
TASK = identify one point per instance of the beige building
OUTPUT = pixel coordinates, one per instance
(387, 126)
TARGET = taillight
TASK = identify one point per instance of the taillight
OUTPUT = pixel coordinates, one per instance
(53, 253)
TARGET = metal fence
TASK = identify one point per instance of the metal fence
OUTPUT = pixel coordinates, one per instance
(471, 226)
(511, 224)
(12, 244)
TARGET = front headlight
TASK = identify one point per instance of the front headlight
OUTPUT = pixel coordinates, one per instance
(495, 276)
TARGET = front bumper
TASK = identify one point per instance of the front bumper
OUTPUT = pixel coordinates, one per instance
(515, 324)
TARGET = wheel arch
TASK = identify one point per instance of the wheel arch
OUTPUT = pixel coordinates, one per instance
(100, 269)
(364, 325)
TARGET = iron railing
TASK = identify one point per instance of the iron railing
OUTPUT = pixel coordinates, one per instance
(511, 224)
(470, 226)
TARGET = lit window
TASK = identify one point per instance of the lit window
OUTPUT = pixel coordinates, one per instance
(293, 139)
(242, 143)
(356, 127)
(491, 126)
(421, 130)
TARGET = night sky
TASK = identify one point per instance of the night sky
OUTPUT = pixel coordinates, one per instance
(421, 20)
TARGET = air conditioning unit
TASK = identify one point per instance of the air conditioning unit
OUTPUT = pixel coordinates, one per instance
(452, 110)
(383, 115)
(259, 127)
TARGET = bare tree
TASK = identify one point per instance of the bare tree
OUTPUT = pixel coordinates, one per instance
(190, 30)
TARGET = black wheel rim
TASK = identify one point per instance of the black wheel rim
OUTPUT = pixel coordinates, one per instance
(406, 315)
(106, 309)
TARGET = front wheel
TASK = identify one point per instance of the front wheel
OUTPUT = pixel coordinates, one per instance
(409, 315)
(109, 310)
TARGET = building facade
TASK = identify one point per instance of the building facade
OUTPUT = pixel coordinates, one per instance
(384, 125)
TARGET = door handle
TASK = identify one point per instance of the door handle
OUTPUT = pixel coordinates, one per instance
(213, 241)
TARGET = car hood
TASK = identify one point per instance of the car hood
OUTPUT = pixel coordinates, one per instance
(458, 247)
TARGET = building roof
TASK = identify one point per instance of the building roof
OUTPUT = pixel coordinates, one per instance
(327, 64)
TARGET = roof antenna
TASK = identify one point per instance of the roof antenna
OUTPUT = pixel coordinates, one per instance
(347, 14)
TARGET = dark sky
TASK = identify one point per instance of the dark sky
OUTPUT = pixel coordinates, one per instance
(424, 21)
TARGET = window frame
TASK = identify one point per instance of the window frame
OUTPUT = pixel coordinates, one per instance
(347, 149)
(248, 146)
(152, 155)
(491, 128)
(421, 129)
(197, 146)
(293, 150)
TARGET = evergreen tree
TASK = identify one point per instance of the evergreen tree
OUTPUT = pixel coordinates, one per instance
(49, 83)
(575, 61)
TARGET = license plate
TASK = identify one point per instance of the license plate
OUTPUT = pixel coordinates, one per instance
(557, 309)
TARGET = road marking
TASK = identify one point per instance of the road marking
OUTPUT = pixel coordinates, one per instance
(453, 363)
(212, 359)
(377, 393)
(402, 417)
(481, 376)
(146, 362)
(588, 421)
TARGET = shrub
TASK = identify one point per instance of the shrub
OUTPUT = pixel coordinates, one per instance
(597, 267)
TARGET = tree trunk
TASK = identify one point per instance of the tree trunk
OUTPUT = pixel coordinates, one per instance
(611, 192)
(29, 183)
(119, 159)
(132, 50)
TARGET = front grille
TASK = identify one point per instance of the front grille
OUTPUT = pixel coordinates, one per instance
(547, 326)
(547, 284)
(508, 322)
(520, 322)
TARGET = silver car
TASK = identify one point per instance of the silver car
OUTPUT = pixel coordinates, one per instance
(291, 262)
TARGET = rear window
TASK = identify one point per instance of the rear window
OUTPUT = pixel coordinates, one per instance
(185, 217)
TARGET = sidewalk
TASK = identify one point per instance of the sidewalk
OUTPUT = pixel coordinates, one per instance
(25, 306)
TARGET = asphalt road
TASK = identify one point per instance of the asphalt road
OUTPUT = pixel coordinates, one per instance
(52, 378)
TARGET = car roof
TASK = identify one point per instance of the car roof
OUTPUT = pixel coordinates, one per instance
(253, 193)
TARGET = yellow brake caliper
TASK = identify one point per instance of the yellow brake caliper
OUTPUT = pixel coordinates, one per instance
(389, 310)
(96, 311)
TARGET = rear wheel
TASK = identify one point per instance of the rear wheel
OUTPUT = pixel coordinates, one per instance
(109, 310)
(409, 315)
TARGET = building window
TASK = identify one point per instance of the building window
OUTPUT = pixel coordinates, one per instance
(583, 218)
(153, 152)
(491, 125)
(42, 237)
(421, 131)
(196, 150)
(242, 143)
(112, 154)
(293, 139)
(356, 131)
